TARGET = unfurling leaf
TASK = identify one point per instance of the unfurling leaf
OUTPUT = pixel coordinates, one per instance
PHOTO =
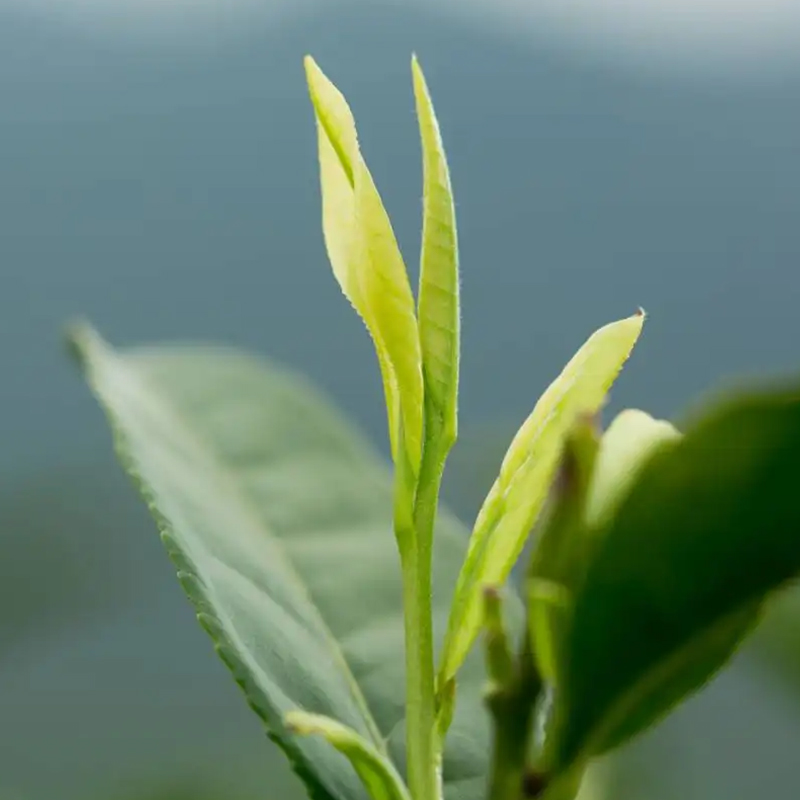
(517, 497)
(438, 282)
(708, 528)
(377, 773)
(591, 480)
(367, 263)
(630, 440)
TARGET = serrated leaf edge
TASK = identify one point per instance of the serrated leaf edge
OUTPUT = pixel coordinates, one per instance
(81, 338)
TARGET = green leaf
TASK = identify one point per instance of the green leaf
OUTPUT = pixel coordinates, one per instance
(367, 263)
(708, 528)
(518, 494)
(776, 643)
(438, 282)
(591, 481)
(278, 518)
(377, 773)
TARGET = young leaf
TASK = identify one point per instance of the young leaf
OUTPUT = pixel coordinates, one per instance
(278, 519)
(630, 440)
(377, 773)
(367, 263)
(707, 530)
(518, 494)
(438, 281)
(591, 481)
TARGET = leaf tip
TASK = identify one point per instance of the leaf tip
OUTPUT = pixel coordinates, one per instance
(78, 337)
(491, 594)
(588, 420)
(418, 77)
(499, 661)
(310, 66)
(298, 722)
(578, 455)
(492, 609)
(315, 78)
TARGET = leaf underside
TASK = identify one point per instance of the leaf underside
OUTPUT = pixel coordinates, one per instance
(277, 517)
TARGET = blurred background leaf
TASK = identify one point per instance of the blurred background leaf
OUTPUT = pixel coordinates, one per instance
(777, 642)
(708, 528)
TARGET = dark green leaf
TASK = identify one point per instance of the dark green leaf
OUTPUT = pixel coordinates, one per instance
(278, 518)
(710, 526)
(777, 642)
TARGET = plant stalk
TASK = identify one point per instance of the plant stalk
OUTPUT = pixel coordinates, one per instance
(512, 705)
(417, 562)
(420, 716)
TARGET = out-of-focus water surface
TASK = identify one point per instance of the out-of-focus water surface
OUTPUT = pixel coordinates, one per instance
(158, 174)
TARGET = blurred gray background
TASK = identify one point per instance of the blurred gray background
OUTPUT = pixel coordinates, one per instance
(158, 175)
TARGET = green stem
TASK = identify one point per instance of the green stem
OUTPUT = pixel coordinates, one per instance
(421, 741)
(512, 706)
(507, 771)
(419, 679)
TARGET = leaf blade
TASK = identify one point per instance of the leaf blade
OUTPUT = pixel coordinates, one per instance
(682, 569)
(592, 480)
(322, 498)
(367, 263)
(517, 496)
(438, 304)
